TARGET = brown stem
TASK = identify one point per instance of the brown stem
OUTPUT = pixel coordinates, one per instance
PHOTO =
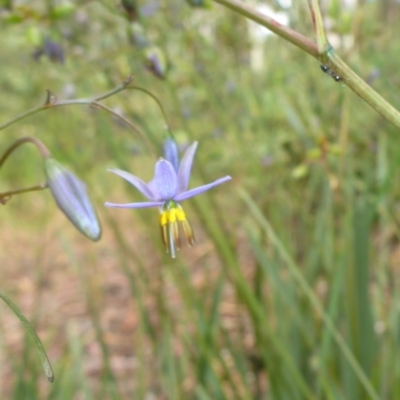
(6, 195)
(39, 145)
(285, 32)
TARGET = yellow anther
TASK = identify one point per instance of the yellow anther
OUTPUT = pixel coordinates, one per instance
(180, 214)
(172, 215)
(164, 218)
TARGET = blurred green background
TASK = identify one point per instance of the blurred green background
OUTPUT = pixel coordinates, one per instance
(292, 290)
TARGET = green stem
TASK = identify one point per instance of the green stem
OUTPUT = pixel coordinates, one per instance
(323, 52)
(362, 89)
(129, 123)
(158, 103)
(319, 29)
(7, 195)
(28, 139)
(304, 285)
(42, 352)
(51, 101)
(281, 30)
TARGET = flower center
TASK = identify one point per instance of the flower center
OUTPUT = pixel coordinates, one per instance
(170, 214)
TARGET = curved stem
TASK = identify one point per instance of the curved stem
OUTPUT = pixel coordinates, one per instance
(5, 196)
(39, 145)
(158, 103)
(129, 123)
(51, 101)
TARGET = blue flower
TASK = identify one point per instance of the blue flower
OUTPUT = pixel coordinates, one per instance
(167, 189)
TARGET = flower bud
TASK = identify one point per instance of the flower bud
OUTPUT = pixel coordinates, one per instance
(71, 197)
(156, 62)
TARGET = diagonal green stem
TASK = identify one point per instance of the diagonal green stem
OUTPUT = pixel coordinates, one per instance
(42, 352)
(362, 89)
(281, 30)
(5, 196)
(304, 285)
(323, 52)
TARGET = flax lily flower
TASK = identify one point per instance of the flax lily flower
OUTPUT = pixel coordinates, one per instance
(167, 189)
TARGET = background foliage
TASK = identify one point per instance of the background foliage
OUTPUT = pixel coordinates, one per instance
(309, 222)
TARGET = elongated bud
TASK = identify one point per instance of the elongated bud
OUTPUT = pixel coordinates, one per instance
(156, 62)
(71, 197)
(137, 35)
(171, 152)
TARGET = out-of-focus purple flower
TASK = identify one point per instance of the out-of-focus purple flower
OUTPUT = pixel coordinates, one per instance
(150, 8)
(52, 50)
(169, 187)
(156, 62)
(71, 197)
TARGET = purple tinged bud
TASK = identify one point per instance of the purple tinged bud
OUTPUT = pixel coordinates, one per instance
(171, 153)
(71, 197)
(54, 51)
(156, 62)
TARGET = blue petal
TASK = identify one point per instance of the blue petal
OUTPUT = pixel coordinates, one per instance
(146, 204)
(194, 192)
(171, 152)
(140, 185)
(185, 168)
(165, 180)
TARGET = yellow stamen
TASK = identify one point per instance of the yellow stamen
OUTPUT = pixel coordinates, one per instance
(164, 218)
(170, 215)
(187, 229)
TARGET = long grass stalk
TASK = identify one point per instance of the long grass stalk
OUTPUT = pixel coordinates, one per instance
(297, 275)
